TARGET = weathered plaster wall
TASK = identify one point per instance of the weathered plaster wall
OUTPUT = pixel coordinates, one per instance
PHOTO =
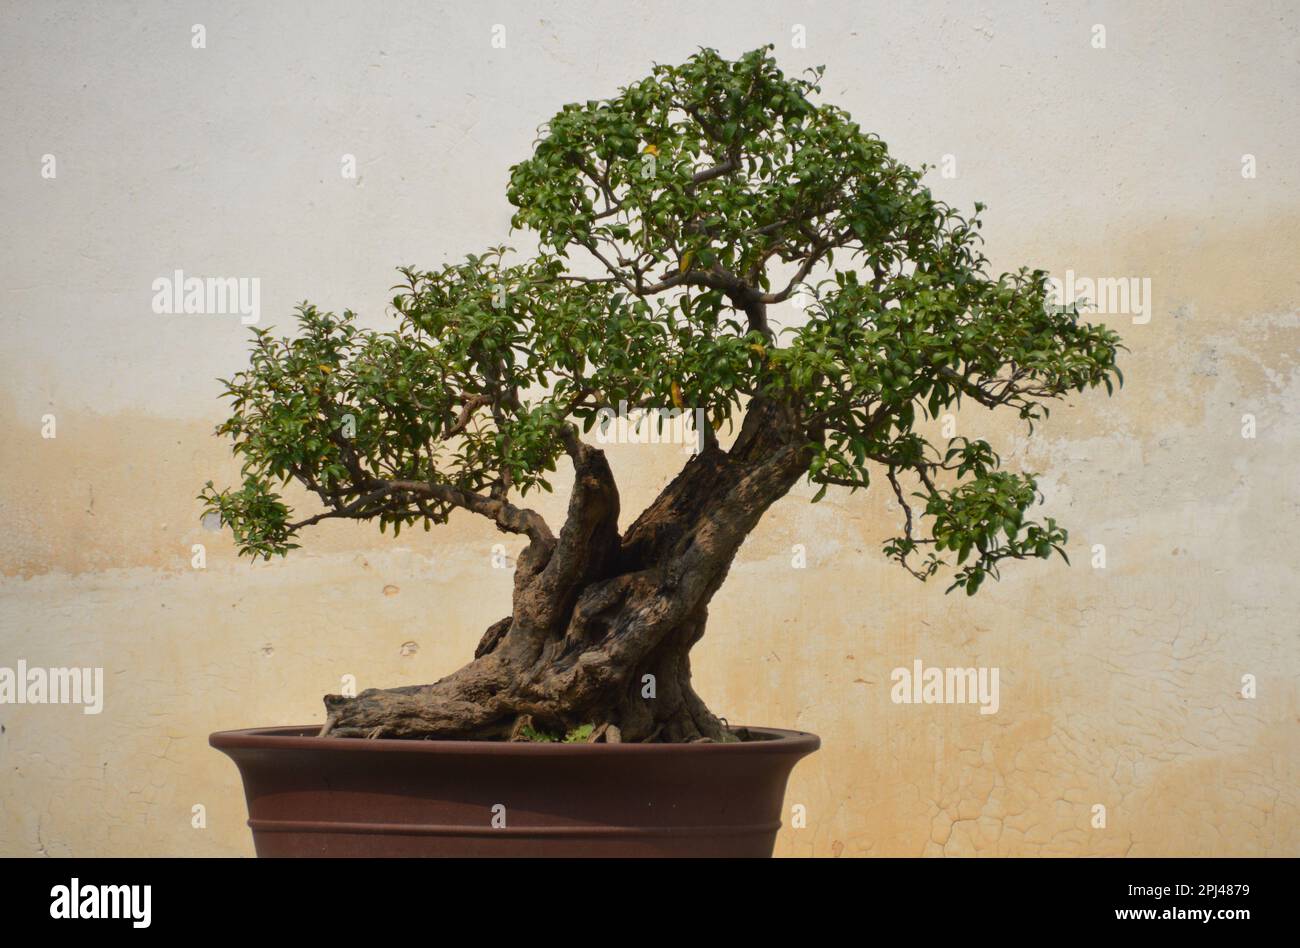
(1119, 686)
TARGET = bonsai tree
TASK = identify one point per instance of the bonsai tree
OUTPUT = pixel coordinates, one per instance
(670, 221)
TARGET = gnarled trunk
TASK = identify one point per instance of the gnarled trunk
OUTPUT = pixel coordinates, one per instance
(603, 624)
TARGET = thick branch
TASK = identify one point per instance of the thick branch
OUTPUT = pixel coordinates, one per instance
(588, 541)
(506, 516)
(717, 171)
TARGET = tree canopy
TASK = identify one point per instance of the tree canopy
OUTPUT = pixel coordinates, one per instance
(669, 219)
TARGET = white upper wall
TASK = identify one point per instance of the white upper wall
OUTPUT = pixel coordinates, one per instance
(225, 161)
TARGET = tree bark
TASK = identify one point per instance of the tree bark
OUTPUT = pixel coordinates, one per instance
(602, 624)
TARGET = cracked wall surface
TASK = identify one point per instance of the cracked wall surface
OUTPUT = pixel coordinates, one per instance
(1121, 687)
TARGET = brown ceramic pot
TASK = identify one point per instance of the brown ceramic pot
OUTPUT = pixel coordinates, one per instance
(309, 796)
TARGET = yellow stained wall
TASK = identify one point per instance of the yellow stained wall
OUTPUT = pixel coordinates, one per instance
(1120, 686)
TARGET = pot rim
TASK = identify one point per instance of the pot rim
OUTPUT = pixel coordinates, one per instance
(775, 741)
